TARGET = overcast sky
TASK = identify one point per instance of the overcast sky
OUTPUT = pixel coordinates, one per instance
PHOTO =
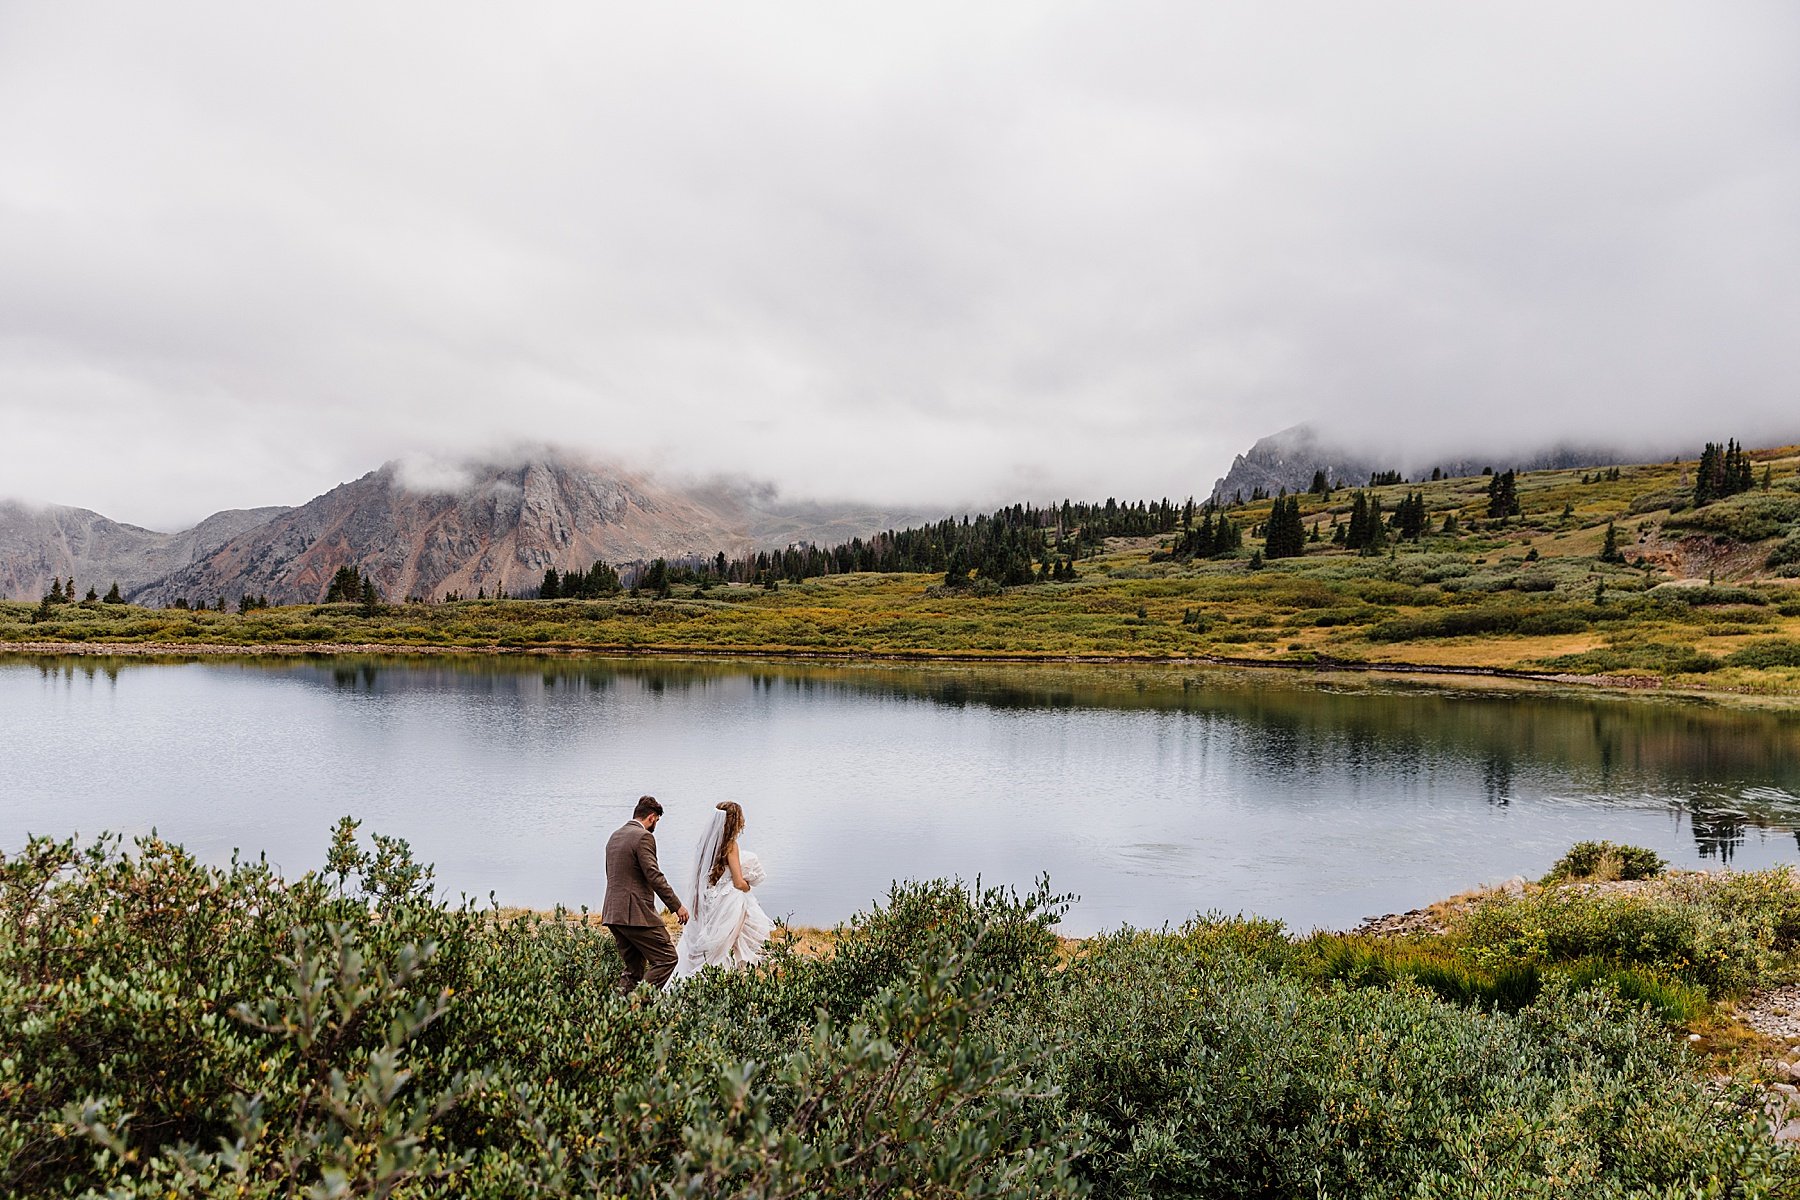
(905, 252)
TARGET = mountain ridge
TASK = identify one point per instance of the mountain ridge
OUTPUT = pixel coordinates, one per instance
(420, 531)
(1289, 459)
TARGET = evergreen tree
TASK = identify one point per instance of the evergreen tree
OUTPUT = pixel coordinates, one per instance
(366, 593)
(112, 596)
(92, 595)
(1228, 537)
(1722, 471)
(56, 593)
(1503, 495)
(1365, 533)
(1285, 534)
(1377, 529)
(1410, 516)
(345, 588)
(1609, 550)
(551, 588)
(656, 578)
(1320, 486)
(597, 581)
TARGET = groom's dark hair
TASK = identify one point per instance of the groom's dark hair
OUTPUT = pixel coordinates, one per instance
(645, 806)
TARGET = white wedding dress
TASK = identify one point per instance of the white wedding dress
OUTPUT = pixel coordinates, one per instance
(726, 928)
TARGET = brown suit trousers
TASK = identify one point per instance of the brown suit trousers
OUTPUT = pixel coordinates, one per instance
(634, 881)
(648, 953)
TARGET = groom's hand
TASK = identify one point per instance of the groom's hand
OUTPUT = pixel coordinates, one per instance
(681, 914)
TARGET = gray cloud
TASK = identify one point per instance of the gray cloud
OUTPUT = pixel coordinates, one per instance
(913, 253)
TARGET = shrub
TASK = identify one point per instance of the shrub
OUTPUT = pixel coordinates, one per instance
(1201, 1071)
(1749, 517)
(1638, 656)
(1724, 933)
(1701, 596)
(1518, 618)
(1786, 551)
(1778, 652)
(172, 1029)
(1605, 861)
(1653, 501)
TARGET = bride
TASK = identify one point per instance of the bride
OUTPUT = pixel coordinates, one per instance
(726, 926)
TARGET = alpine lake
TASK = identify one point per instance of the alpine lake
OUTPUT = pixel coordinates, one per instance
(1151, 793)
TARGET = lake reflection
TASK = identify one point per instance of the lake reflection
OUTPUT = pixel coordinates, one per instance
(1154, 793)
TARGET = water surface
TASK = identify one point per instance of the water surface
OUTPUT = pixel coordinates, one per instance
(1154, 793)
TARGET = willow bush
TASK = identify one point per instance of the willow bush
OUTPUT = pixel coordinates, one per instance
(172, 1029)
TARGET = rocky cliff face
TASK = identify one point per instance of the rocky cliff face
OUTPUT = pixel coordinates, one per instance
(486, 526)
(41, 543)
(1290, 458)
(498, 527)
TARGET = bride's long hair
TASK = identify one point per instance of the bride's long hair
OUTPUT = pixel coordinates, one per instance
(734, 824)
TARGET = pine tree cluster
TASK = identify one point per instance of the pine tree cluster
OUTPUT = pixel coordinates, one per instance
(576, 584)
(348, 586)
(1409, 517)
(1723, 471)
(1009, 547)
(1365, 531)
(1284, 536)
(1209, 539)
(1503, 495)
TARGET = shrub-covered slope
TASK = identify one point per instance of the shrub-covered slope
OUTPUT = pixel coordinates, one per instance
(172, 1030)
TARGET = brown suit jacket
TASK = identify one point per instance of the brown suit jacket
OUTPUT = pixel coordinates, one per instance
(633, 880)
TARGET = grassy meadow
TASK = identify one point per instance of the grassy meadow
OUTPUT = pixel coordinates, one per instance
(1697, 598)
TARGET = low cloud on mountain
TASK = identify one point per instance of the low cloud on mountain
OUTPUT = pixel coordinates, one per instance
(924, 254)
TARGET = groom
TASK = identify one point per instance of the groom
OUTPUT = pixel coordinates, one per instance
(633, 881)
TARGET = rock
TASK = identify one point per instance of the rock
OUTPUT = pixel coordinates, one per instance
(1770, 1013)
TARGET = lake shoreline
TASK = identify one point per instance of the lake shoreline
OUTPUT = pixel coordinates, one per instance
(1424, 674)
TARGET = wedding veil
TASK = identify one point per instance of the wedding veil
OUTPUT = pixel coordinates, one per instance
(704, 854)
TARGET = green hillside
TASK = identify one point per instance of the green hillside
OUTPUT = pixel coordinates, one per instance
(1695, 595)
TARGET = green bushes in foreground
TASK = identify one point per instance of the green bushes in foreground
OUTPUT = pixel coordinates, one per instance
(1724, 933)
(168, 1029)
(1604, 861)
